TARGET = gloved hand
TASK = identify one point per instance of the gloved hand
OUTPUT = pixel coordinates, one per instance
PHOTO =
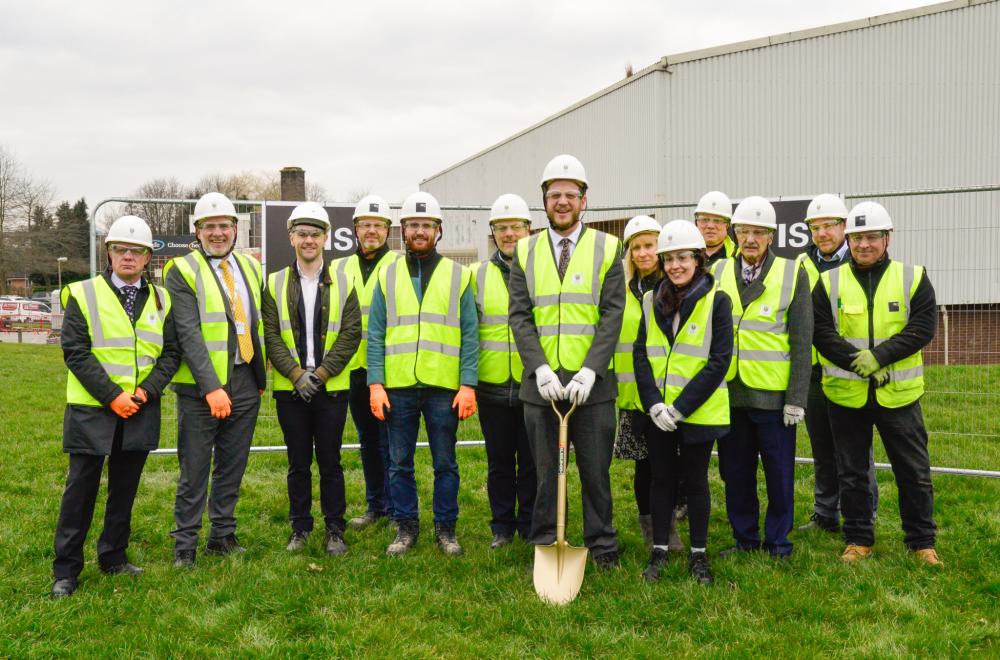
(308, 385)
(865, 364)
(465, 401)
(378, 401)
(549, 387)
(124, 406)
(794, 415)
(578, 389)
(675, 414)
(662, 418)
(219, 403)
(141, 394)
(881, 377)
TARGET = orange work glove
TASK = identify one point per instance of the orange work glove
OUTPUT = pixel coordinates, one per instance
(123, 406)
(378, 401)
(219, 403)
(465, 401)
(141, 394)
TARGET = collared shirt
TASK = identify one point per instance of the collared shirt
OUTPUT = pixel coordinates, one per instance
(750, 273)
(557, 237)
(241, 288)
(837, 256)
(309, 287)
(119, 282)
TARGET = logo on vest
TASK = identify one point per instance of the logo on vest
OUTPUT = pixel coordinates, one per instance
(692, 328)
(765, 309)
(151, 318)
(577, 278)
(894, 306)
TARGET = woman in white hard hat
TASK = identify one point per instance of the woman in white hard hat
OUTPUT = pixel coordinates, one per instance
(682, 351)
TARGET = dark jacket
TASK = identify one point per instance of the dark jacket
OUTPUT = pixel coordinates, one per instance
(704, 384)
(611, 305)
(800, 331)
(500, 394)
(343, 349)
(919, 330)
(91, 430)
(193, 350)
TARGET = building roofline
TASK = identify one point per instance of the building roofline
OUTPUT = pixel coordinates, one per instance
(664, 63)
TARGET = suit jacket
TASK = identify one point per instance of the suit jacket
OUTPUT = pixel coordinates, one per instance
(602, 350)
(188, 324)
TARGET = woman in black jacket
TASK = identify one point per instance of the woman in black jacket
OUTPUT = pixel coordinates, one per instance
(681, 353)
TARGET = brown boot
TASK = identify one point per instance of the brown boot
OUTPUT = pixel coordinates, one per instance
(855, 553)
(928, 556)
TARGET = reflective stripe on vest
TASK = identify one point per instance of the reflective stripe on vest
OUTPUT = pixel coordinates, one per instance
(890, 310)
(423, 339)
(675, 366)
(499, 360)
(336, 295)
(212, 302)
(761, 354)
(126, 353)
(566, 312)
(351, 266)
(628, 391)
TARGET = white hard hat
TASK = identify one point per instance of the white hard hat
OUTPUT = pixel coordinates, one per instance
(510, 207)
(130, 229)
(421, 205)
(756, 211)
(826, 206)
(868, 216)
(640, 224)
(565, 167)
(309, 213)
(715, 203)
(214, 205)
(679, 235)
(372, 206)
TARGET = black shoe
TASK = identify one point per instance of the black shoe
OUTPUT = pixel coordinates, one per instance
(184, 558)
(368, 519)
(64, 587)
(608, 561)
(407, 532)
(728, 552)
(334, 543)
(656, 561)
(698, 567)
(297, 541)
(823, 523)
(224, 546)
(125, 568)
(501, 539)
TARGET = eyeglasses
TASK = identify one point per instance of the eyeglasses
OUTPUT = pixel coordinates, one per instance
(369, 226)
(710, 220)
(415, 225)
(218, 226)
(681, 258)
(502, 228)
(305, 234)
(867, 237)
(121, 250)
(555, 196)
(817, 227)
(756, 232)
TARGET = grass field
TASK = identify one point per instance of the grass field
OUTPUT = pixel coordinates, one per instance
(268, 603)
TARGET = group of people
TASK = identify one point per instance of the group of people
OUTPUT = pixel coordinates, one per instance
(677, 339)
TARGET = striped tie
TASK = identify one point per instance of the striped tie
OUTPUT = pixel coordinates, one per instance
(236, 303)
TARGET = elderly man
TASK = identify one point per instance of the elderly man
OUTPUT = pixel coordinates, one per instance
(216, 294)
(119, 345)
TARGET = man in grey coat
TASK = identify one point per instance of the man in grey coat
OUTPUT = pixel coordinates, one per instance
(566, 308)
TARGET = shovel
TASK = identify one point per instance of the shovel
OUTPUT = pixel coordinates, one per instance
(559, 567)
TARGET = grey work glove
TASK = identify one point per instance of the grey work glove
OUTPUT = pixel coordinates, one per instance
(794, 415)
(308, 385)
(578, 390)
(549, 387)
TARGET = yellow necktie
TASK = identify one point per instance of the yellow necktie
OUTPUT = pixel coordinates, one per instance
(236, 303)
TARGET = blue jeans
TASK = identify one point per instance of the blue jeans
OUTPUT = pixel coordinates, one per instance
(407, 404)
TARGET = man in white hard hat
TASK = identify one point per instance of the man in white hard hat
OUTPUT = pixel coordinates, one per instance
(312, 328)
(712, 216)
(371, 227)
(768, 379)
(423, 348)
(216, 294)
(510, 481)
(825, 218)
(119, 344)
(873, 318)
(566, 309)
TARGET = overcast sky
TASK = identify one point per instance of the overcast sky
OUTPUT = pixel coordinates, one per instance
(100, 96)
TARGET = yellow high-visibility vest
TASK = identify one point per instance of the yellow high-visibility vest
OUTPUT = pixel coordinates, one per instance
(351, 266)
(628, 391)
(499, 360)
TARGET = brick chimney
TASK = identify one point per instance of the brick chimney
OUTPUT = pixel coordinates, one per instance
(293, 184)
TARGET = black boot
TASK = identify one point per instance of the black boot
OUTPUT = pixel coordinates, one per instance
(698, 567)
(446, 539)
(406, 537)
(656, 561)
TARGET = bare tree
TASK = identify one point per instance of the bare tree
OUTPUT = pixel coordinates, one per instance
(11, 183)
(162, 218)
(358, 193)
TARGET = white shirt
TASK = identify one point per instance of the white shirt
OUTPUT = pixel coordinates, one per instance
(241, 288)
(556, 238)
(119, 282)
(309, 286)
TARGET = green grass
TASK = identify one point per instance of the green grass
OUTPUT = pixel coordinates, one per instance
(272, 604)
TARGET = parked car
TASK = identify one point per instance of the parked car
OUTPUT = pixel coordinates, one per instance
(25, 315)
(41, 296)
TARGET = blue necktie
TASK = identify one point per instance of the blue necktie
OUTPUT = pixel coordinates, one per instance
(130, 293)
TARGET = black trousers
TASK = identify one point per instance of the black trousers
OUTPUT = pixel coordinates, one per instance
(905, 439)
(510, 480)
(671, 459)
(374, 438)
(317, 425)
(77, 509)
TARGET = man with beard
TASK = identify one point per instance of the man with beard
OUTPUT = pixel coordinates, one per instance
(423, 347)
(566, 308)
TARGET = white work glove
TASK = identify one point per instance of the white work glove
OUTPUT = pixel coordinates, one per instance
(794, 415)
(549, 387)
(578, 390)
(662, 417)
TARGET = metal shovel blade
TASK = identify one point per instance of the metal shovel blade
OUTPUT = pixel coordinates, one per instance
(559, 572)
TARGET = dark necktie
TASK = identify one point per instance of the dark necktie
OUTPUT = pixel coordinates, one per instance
(563, 257)
(130, 292)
